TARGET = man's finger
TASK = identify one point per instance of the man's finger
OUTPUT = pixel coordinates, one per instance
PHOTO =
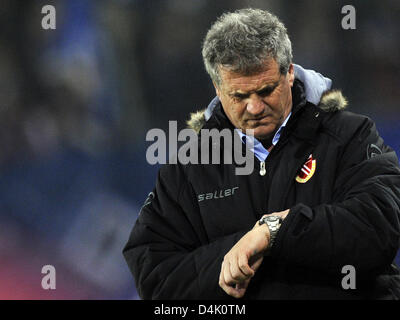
(226, 270)
(237, 274)
(243, 265)
(224, 286)
(233, 292)
(236, 291)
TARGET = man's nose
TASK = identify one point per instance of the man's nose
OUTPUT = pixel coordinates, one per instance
(255, 105)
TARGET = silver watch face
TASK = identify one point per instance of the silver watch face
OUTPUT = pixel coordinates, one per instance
(272, 221)
(272, 218)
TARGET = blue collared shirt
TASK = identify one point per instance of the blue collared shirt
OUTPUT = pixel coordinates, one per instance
(258, 149)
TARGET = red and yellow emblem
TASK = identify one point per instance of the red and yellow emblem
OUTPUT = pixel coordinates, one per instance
(307, 170)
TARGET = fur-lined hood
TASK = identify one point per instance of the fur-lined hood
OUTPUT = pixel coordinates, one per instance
(331, 100)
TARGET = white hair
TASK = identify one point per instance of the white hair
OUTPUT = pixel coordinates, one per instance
(241, 41)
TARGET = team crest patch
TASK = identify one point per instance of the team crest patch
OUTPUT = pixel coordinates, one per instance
(307, 170)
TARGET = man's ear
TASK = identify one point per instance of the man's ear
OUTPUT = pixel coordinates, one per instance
(291, 74)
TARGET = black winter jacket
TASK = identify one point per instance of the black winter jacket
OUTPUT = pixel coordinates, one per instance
(347, 213)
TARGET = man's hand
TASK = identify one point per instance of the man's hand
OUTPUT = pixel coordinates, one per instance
(243, 260)
(236, 271)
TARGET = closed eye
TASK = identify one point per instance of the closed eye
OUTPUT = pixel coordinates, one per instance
(266, 91)
(240, 96)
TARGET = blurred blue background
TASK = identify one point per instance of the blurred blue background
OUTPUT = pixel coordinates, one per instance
(76, 104)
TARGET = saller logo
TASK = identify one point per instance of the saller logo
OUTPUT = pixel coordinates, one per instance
(307, 170)
(217, 194)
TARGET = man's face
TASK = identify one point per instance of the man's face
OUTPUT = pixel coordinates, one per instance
(260, 102)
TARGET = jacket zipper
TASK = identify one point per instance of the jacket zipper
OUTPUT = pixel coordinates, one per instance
(262, 168)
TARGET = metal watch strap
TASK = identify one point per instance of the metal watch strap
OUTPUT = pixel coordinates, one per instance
(273, 223)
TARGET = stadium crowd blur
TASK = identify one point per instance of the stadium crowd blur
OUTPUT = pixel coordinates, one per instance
(76, 104)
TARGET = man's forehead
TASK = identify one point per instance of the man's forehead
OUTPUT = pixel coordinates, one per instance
(236, 82)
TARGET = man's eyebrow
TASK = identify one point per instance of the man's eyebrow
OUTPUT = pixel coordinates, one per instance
(239, 93)
(268, 87)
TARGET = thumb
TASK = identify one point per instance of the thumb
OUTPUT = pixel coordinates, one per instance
(241, 288)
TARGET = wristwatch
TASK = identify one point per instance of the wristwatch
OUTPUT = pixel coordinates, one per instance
(273, 223)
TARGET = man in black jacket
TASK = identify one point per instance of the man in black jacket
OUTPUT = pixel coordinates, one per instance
(324, 195)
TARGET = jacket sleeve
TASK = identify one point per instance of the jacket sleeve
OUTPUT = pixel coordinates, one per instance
(168, 252)
(360, 227)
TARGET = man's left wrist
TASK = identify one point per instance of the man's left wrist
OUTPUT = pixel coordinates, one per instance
(272, 224)
(263, 228)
